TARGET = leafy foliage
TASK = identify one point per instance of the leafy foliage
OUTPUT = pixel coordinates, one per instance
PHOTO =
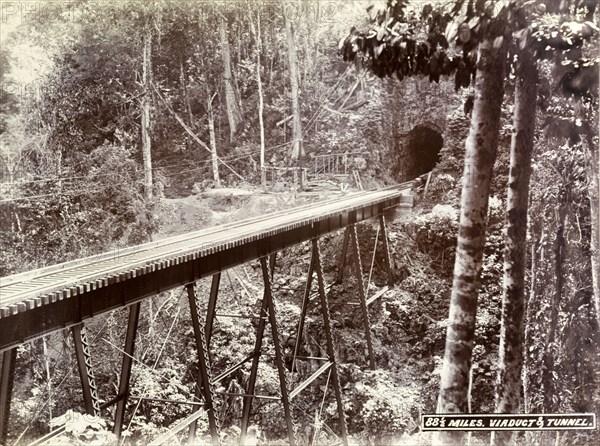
(443, 43)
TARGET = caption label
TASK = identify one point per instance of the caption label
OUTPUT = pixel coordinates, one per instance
(511, 422)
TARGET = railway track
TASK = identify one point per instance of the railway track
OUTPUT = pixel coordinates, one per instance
(34, 288)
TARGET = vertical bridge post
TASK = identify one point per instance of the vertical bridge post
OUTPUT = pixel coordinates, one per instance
(267, 311)
(132, 325)
(304, 310)
(329, 337)
(7, 378)
(342, 261)
(86, 371)
(386, 251)
(267, 276)
(362, 294)
(203, 382)
(247, 405)
(212, 305)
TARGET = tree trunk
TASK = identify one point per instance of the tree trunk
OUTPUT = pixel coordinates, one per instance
(145, 106)
(532, 305)
(529, 310)
(297, 149)
(256, 33)
(184, 92)
(594, 196)
(550, 352)
(213, 142)
(234, 115)
(510, 361)
(480, 155)
(263, 177)
(186, 100)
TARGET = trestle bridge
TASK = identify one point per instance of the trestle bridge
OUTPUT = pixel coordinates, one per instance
(66, 295)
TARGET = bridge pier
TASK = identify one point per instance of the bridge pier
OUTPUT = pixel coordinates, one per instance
(342, 261)
(86, 371)
(203, 383)
(386, 251)
(351, 240)
(7, 378)
(212, 308)
(267, 312)
(123, 395)
(335, 381)
(304, 309)
(285, 400)
(362, 298)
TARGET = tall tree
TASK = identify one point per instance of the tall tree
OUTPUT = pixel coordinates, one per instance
(594, 196)
(513, 300)
(145, 103)
(234, 114)
(256, 32)
(480, 155)
(297, 146)
(388, 55)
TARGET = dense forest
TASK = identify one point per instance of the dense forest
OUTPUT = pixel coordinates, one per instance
(123, 122)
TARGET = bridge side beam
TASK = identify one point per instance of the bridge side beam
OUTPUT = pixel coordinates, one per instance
(86, 370)
(204, 375)
(335, 381)
(132, 325)
(7, 378)
(362, 294)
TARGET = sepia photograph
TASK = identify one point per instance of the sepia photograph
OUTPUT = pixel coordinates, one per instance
(299, 222)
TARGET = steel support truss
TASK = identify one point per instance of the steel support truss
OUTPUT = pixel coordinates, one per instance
(86, 371)
(203, 383)
(267, 316)
(7, 378)
(267, 312)
(351, 241)
(123, 395)
(329, 338)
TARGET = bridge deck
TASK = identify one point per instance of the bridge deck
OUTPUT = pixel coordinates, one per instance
(47, 299)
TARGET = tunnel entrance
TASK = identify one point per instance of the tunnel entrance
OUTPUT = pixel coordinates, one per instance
(422, 151)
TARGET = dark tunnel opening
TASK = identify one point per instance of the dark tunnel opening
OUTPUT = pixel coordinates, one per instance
(424, 145)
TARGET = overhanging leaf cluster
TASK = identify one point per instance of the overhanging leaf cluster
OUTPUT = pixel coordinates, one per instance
(400, 45)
